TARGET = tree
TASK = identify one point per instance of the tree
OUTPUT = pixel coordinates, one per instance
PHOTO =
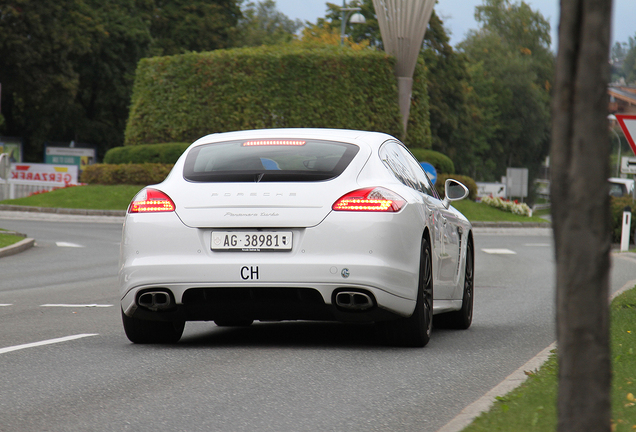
(511, 75)
(179, 26)
(263, 24)
(581, 216)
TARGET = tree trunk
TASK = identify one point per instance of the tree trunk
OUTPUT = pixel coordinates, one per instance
(580, 213)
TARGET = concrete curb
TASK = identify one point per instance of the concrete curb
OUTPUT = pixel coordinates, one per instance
(53, 210)
(18, 247)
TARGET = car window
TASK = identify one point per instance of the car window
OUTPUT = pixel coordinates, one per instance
(405, 167)
(263, 160)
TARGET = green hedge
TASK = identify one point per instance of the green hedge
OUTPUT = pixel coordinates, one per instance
(181, 98)
(131, 174)
(617, 205)
(465, 180)
(441, 162)
(146, 153)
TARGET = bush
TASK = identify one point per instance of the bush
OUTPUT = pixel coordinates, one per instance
(146, 153)
(129, 174)
(465, 180)
(617, 205)
(441, 162)
(181, 98)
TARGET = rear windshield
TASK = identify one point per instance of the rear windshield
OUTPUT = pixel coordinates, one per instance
(268, 160)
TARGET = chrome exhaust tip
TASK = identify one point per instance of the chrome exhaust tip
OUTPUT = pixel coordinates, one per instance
(354, 300)
(155, 300)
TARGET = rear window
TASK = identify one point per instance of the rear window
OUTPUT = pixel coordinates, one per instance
(268, 160)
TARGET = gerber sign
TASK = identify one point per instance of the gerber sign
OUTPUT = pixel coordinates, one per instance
(56, 175)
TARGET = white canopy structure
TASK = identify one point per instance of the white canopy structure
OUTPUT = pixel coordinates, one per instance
(402, 25)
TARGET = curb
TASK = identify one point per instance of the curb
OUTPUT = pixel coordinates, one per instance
(18, 247)
(54, 210)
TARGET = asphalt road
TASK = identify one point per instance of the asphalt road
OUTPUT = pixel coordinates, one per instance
(295, 376)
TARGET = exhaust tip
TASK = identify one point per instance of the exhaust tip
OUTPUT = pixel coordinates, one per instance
(155, 300)
(354, 300)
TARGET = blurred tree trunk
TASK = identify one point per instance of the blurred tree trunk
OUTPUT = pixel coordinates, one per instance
(581, 217)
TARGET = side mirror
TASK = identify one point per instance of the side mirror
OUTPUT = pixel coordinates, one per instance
(454, 191)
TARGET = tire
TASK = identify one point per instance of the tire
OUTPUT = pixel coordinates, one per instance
(463, 318)
(148, 332)
(415, 331)
(233, 323)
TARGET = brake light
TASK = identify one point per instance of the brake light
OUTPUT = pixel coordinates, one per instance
(151, 201)
(273, 143)
(377, 199)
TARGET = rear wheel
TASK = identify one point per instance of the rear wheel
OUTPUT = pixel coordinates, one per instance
(159, 332)
(415, 331)
(463, 318)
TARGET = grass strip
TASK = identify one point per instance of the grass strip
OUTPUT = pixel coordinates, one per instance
(93, 197)
(475, 211)
(531, 407)
(9, 239)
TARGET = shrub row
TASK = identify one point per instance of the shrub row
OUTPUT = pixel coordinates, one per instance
(181, 98)
(441, 162)
(465, 180)
(147, 153)
(131, 174)
(617, 205)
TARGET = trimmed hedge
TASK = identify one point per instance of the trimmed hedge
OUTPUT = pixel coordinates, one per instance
(181, 98)
(147, 153)
(131, 174)
(465, 180)
(441, 162)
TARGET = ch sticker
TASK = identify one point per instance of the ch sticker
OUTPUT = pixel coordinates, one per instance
(249, 273)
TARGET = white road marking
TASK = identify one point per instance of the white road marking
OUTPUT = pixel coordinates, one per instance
(45, 342)
(77, 305)
(67, 244)
(5, 304)
(499, 251)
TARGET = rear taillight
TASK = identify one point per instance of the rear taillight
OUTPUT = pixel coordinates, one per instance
(151, 201)
(375, 199)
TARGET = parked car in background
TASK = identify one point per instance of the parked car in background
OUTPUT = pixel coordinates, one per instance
(620, 187)
(296, 224)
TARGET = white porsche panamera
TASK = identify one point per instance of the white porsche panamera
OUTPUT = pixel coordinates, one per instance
(296, 224)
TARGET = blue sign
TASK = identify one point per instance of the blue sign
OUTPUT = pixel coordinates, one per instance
(430, 170)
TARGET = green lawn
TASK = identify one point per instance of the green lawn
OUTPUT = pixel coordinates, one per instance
(483, 213)
(532, 406)
(8, 239)
(94, 197)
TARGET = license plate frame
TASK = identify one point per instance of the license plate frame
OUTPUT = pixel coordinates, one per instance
(251, 241)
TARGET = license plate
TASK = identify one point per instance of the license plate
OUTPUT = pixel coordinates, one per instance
(252, 241)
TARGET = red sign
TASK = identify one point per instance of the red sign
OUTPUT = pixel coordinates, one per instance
(628, 125)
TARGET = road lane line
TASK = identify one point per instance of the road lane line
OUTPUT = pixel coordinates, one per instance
(45, 342)
(77, 305)
(499, 251)
(5, 304)
(68, 244)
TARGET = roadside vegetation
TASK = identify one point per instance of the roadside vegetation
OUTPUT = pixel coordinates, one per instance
(532, 406)
(91, 197)
(8, 239)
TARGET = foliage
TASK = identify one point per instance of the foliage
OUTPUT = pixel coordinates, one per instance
(465, 180)
(510, 74)
(367, 33)
(180, 26)
(263, 24)
(629, 62)
(68, 65)
(146, 153)
(326, 34)
(617, 206)
(181, 98)
(441, 162)
(507, 205)
(125, 174)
